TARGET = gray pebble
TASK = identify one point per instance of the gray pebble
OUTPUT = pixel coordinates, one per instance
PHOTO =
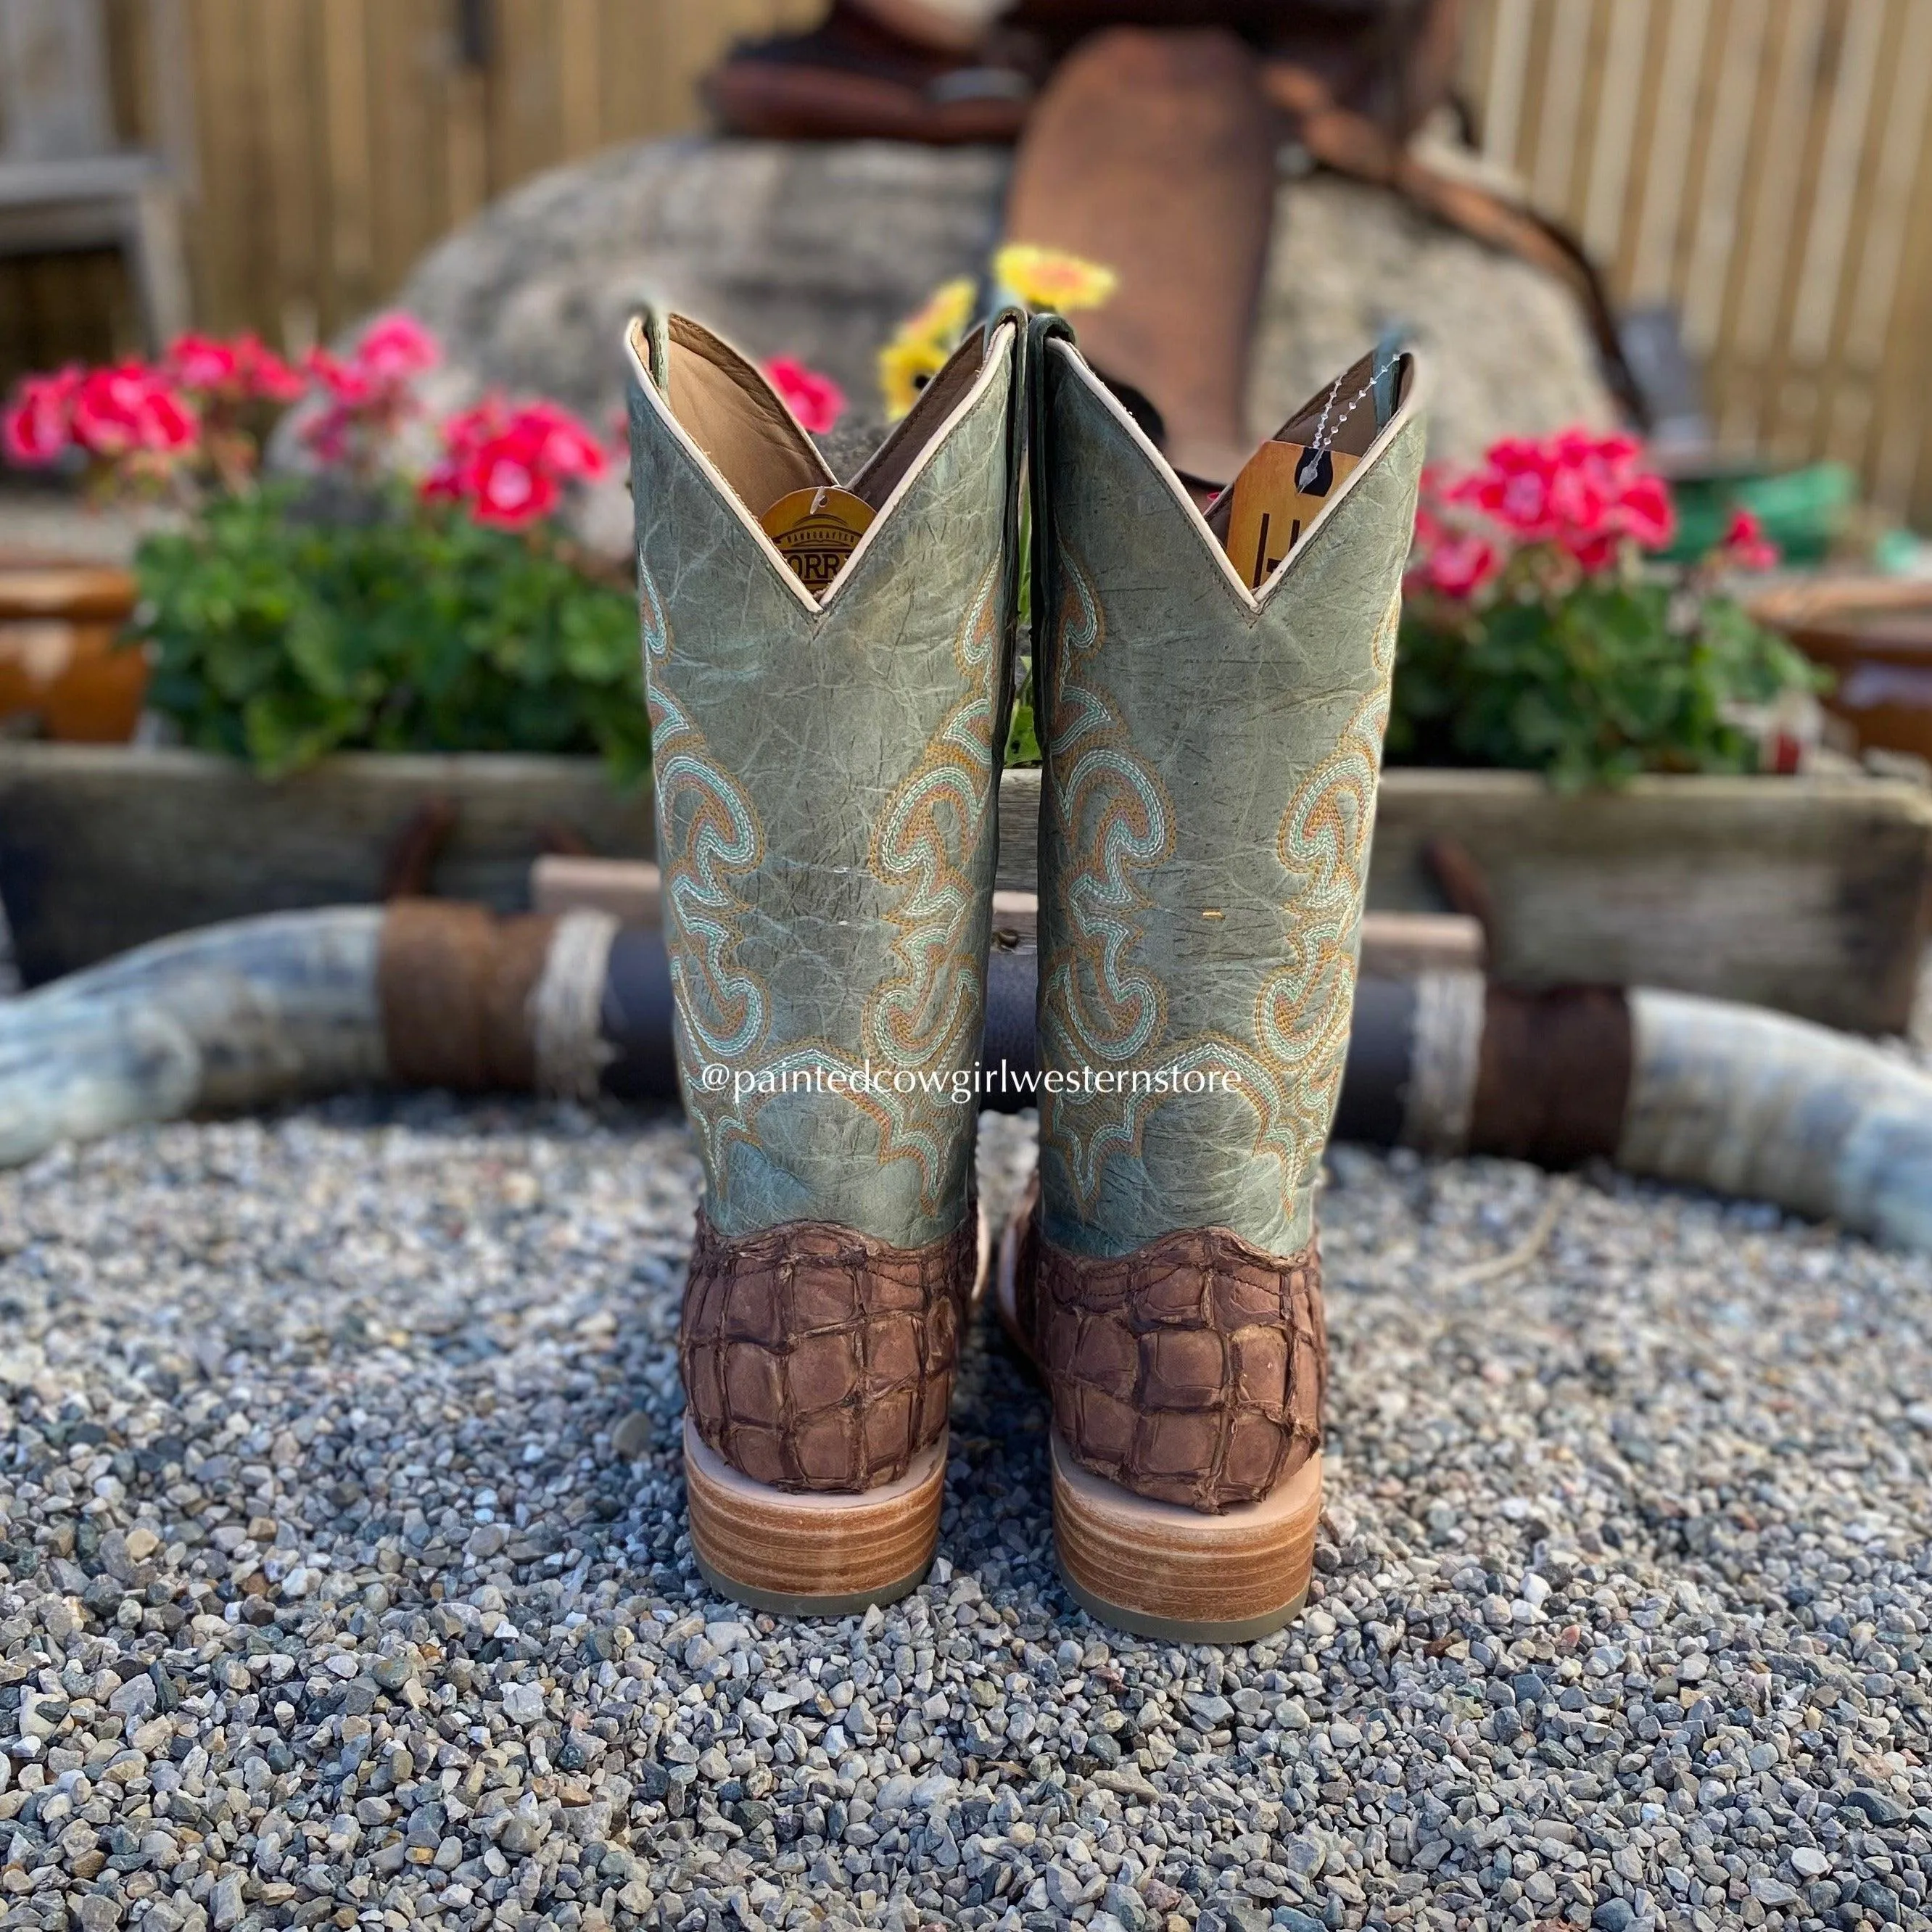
(324, 1595)
(631, 1437)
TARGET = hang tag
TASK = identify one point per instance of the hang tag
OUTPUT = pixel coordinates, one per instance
(816, 530)
(1282, 489)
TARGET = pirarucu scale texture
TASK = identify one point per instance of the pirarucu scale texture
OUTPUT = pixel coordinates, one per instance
(816, 1358)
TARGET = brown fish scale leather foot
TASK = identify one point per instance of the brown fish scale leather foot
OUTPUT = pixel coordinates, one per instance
(817, 1359)
(1187, 1381)
(1191, 1371)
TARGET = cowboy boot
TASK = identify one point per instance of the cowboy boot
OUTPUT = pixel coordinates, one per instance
(827, 672)
(1212, 727)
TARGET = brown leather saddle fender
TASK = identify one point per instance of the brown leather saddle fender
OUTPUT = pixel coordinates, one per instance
(1154, 152)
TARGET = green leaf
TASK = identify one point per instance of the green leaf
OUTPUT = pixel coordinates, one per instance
(1590, 686)
(279, 638)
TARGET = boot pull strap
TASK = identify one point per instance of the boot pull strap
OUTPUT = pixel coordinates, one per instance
(656, 323)
(1043, 330)
(1016, 447)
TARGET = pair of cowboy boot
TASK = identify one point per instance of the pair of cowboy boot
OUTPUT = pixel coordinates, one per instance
(827, 735)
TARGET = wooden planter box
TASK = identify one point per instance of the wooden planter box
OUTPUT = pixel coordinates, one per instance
(1812, 895)
(104, 847)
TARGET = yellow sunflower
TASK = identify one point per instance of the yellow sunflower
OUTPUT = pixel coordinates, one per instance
(918, 351)
(947, 310)
(1050, 278)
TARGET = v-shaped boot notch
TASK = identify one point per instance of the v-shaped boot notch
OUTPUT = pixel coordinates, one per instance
(1285, 487)
(758, 451)
(734, 415)
(1354, 434)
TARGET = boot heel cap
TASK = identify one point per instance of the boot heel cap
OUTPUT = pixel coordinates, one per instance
(1159, 1570)
(808, 1555)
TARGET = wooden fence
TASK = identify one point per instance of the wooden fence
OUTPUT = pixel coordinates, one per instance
(341, 138)
(1764, 165)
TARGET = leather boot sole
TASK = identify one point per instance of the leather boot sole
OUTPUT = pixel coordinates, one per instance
(1160, 1571)
(812, 1555)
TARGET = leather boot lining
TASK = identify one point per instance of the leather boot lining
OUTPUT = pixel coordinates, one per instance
(881, 472)
(731, 412)
(1353, 436)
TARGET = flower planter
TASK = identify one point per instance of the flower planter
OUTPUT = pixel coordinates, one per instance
(1811, 895)
(102, 848)
(60, 673)
(1883, 667)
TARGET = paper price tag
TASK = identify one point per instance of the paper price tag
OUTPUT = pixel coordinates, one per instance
(816, 530)
(1282, 489)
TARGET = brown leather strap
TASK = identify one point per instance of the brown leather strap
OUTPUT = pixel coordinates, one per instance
(454, 983)
(1554, 1076)
(1153, 154)
(1351, 144)
(1394, 60)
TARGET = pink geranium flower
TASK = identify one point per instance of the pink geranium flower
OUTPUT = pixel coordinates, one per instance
(1513, 487)
(1584, 495)
(509, 465)
(816, 399)
(1574, 501)
(506, 489)
(1460, 566)
(204, 363)
(395, 347)
(1746, 547)
(131, 407)
(346, 381)
(370, 391)
(37, 428)
(240, 370)
(562, 445)
(1645, 512)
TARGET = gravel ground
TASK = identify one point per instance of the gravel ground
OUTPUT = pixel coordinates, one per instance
(344, 1578)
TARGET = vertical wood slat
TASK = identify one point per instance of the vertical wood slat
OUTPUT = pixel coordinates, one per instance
(352, 255)
(1740, 55)
(1828, 236)
(1756, 389)
(1565, 78)
(226, 235)
(1900, 463)
(1674, 129)
(1505, 74)
(1764, 164)
(1620, 88)
(580, 75)
(287, 28)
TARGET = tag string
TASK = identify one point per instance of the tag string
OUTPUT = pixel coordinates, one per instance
(1324, 436)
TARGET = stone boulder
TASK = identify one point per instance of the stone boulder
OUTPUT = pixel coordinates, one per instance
(812, 250)
(817, 250)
